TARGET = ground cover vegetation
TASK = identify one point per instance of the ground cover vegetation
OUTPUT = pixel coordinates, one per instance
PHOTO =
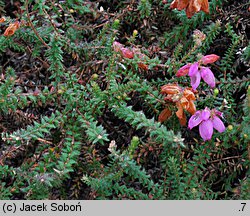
(131, 99)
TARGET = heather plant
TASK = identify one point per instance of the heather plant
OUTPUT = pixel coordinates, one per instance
(104, 100)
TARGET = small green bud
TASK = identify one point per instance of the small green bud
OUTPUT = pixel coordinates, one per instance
(230, 127)
(184, 167)
(194, 190)
(135, 33)
(116, 22)
(124, 95)
(95, 76)
(135, 139)
(216, 92)
(133, 145)
(60, 91)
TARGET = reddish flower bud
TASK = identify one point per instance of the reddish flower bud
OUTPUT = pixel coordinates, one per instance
(143, 66)
(127, 53)
(183, 71)
(208, 59)
(164, 115)
(117, 46)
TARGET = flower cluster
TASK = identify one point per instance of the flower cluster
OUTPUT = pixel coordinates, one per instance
(11, 29)
(183, 99)
(196, 71)
(191, 6)
(198, 37)
(130, 53)
(207, 120)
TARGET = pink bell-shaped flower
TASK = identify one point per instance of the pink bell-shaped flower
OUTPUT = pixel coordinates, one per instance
(207, 120)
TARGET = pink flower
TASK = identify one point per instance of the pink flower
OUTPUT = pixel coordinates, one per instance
(183, 71)
(117, 46)
(127, 53)
(207, 120)
(196, 71)
(130, 53)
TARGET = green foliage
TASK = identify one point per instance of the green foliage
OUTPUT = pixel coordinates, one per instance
(145, 8)
(228, 59)
(55, 58)
(155, 129)
(182, 32)
(123, 165)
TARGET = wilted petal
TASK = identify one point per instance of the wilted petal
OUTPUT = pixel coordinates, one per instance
(170, 89)
(194, 120)
(208, 76)
(180, 111)
(169, 97)
(181, 115)
(11, 29)
(142, 56)
(184, 103)
(206, 130)
(218, 124)
(191, 108)
(195, 80)
(192, 6)
(205, 114)
(189, 12)
(174, 4)
(126, 53)
(204, 6)
(193, 70)
(183, 71)
(208, 59)
(188, 94)
(182, 4)
(195, 5)
(143, 66)
(183, 120)
(164, 115)
(136, 51)
(179, 4)
(218, 113)
(117, 46)
(2, 19)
